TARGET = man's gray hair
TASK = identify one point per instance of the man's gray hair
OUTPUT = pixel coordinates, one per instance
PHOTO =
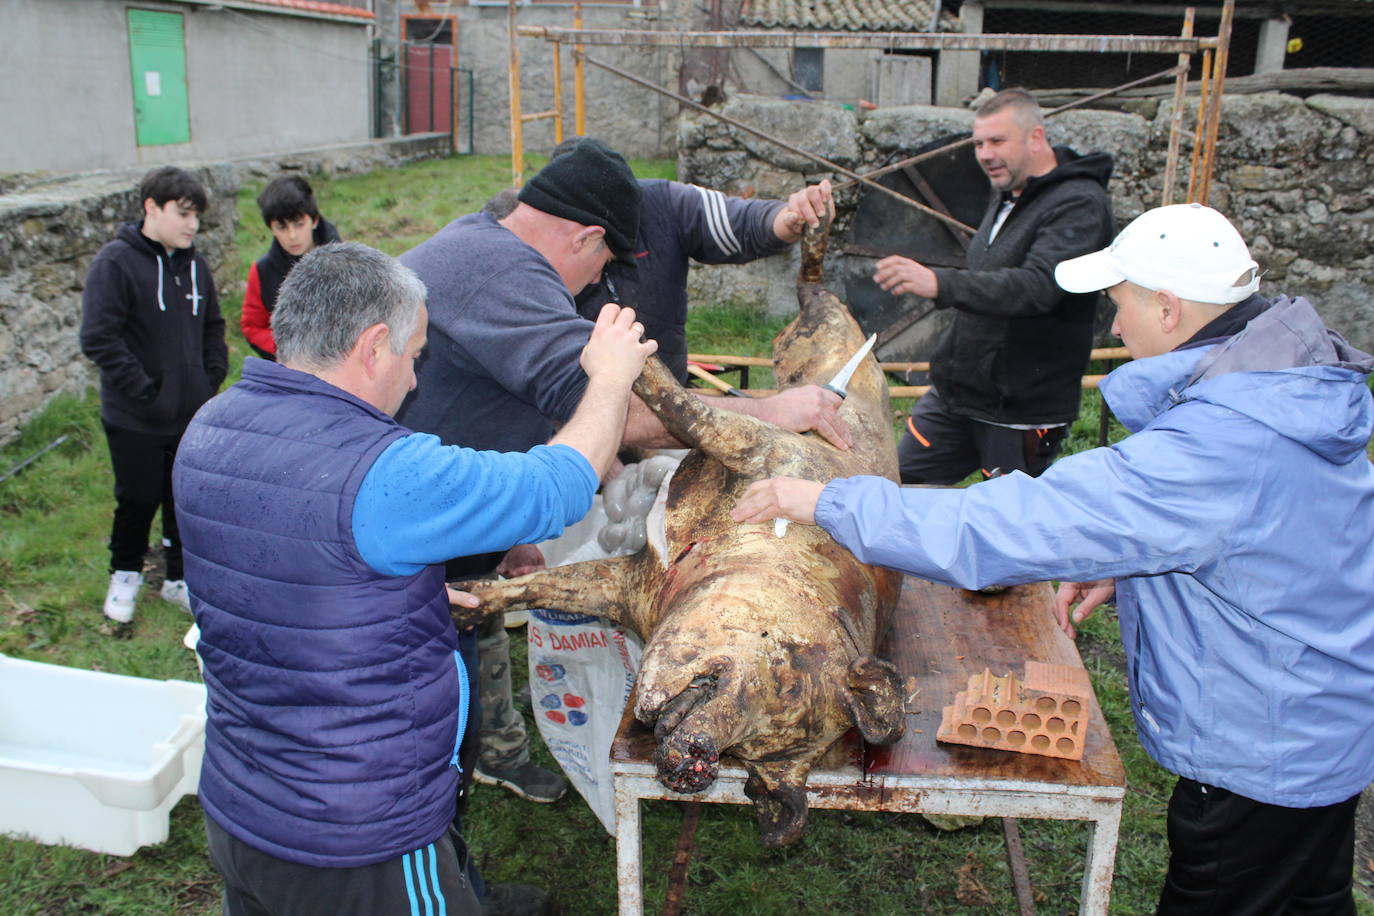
(334, 294)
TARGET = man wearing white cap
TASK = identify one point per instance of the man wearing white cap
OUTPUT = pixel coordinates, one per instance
(1235, 528)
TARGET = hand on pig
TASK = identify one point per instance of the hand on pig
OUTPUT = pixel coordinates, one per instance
(779, 497)
(806, 408)
(616, 351)
(808, 207)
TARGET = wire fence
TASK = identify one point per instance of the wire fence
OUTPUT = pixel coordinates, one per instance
(1340, 38)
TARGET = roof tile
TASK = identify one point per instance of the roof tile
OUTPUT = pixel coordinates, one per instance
(316, 6)
(851, 15)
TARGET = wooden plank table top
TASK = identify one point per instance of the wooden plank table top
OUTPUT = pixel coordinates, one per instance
(941, 636)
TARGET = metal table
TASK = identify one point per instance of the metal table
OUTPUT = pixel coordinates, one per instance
(940, 636)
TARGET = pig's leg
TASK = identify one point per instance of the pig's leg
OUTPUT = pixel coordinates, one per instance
(747, 446)
(778, 791)
(603, 588)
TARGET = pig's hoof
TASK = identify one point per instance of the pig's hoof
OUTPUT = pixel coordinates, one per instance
(687, 764)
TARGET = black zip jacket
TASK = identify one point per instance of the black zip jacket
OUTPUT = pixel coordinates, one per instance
(150, 321)
(1016, 350)
(679, 223)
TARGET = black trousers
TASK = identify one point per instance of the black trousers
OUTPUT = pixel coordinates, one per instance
(142, 464)
(943, 448)
(430, 881)
(1233, 856)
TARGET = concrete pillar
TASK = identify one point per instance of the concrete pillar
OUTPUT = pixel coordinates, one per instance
(956, 74)
(1273, 44)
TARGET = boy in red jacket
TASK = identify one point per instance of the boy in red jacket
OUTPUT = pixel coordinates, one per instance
(289, 210)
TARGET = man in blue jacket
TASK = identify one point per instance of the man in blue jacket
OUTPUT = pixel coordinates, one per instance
(315, 529)
(1235, 528)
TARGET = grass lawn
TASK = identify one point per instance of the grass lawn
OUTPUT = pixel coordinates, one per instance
(54, 519)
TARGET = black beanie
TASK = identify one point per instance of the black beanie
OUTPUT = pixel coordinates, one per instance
(591, 186)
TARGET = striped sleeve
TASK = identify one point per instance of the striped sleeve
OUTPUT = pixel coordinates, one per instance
(718, 229)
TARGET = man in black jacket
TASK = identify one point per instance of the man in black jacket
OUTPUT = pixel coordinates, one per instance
(150, 321)
(1005, 377)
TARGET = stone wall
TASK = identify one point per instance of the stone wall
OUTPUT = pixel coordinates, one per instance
(1294, 174)
(51, 229)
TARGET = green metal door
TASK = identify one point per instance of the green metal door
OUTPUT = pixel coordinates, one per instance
(157, 59)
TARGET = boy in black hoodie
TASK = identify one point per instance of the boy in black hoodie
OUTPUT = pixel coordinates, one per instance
(288, 208)
(150, 320)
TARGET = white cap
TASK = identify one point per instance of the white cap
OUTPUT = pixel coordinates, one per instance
(1190, 250)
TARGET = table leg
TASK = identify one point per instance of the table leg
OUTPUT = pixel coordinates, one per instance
(629, 870)
(1097, 870)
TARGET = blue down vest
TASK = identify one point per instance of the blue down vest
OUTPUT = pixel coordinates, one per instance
(334, 701)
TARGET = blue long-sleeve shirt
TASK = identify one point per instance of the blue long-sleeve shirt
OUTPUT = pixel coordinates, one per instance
(423, 502)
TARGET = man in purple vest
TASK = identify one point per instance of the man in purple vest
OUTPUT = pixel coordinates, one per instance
(315, 528)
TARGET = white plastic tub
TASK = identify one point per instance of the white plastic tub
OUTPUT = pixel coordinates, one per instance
(95, 760)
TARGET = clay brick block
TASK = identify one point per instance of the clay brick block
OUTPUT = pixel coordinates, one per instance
(1046, 713)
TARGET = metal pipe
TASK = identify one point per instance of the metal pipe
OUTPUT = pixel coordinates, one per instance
(579, 79)
(399, 76)
(32, 458)
(892, 41)
(774, 140)
(1016, 861)
(454, 108)
(682, 858)
(1176, 121)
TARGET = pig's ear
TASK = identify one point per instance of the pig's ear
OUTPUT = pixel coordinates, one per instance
(875, 699)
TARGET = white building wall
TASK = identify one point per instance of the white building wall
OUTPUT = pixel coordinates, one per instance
(256, 83)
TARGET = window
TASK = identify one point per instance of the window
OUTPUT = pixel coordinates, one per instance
(808, 68)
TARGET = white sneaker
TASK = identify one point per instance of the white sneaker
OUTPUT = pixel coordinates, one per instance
(123, 592)
(174, 590)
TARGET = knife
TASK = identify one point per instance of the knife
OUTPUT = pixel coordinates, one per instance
(841, 379)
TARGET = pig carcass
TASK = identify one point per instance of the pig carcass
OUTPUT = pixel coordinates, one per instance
(756, 646)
